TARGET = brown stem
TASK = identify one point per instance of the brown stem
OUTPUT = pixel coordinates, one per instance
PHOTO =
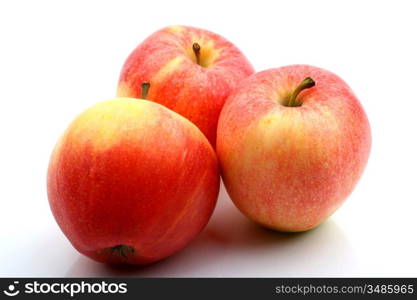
(145, 89)
(196, 49)
(305, 84)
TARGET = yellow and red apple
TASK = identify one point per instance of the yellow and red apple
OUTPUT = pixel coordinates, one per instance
(292, 143)
(132, 182)
(192, 71)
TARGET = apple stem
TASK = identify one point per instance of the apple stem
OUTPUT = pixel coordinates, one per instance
(305, 84)
(196, 49)
(145, 89)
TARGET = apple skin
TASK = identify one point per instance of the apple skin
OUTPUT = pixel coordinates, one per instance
(132, 182)
(166, 60)
(290, 168)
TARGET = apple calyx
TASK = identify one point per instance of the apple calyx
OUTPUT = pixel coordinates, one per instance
(145, 89)
(122, 250)
(196, 49)
(305, 84)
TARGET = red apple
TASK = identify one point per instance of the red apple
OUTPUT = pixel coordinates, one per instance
(192, 71)
(292, 143)
(132, 182)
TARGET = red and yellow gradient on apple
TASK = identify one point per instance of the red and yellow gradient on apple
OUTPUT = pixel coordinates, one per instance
(292, 143)
(192, 71)
(132, 182)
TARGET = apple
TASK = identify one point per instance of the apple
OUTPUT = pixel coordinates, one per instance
(192, 71)
(132, 182)
(292, 143)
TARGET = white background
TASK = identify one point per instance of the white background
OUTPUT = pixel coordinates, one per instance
(57, 58)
